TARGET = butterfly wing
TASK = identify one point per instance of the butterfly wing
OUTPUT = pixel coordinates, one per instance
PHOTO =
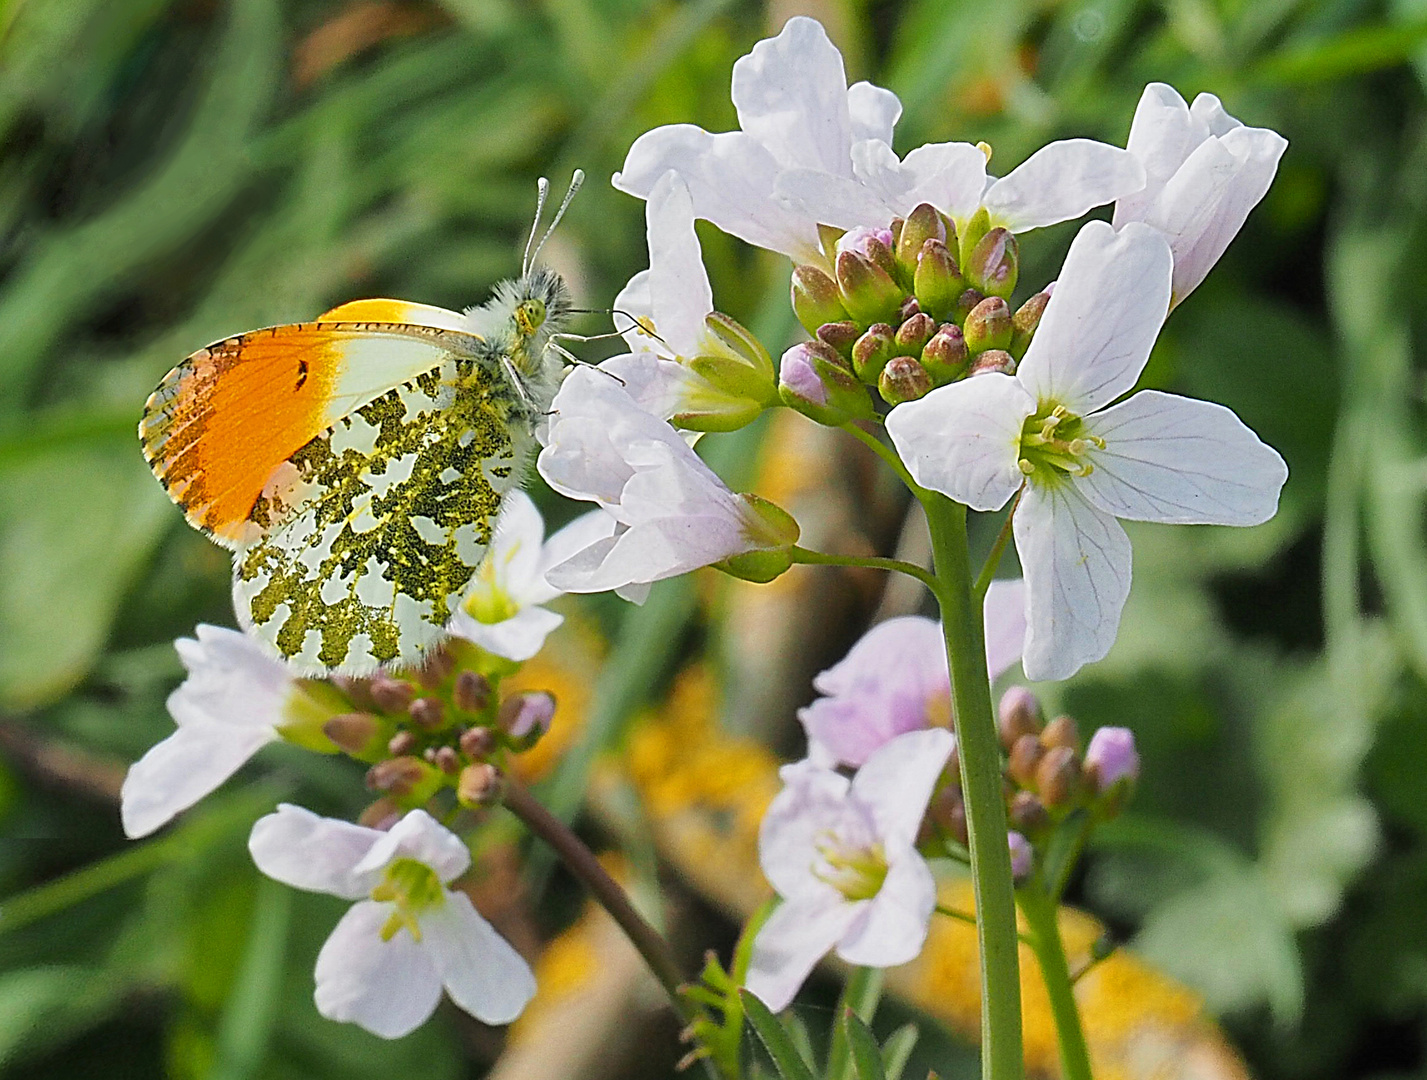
(369, 535)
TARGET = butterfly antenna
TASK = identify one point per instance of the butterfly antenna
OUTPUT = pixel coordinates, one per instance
(576, 181)
(542, 192)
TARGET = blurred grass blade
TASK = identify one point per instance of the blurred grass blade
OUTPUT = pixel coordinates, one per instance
(1353, 52)
(250, 1013)
(775, 1040)
(898, 1049)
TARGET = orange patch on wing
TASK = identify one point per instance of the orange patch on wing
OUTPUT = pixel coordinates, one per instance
(395, 311)
(223, 420)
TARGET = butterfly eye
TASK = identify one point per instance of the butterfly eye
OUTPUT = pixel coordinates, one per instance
(530, 315)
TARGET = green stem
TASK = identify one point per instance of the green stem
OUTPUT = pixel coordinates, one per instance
(887, 454)
(970, 919)
(979, 750)
(993, 558)
(1040, 911)
(874, 562)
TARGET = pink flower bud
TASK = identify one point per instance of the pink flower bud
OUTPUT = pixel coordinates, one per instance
(1112, 757)
(859, 240)
(1023, 857)
(527, 716)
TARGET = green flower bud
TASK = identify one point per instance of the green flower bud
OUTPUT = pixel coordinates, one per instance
(1026, 813)
(817, 382)
(840, 335)
(427, 713)
(945, 355)
(872, 350)
(478, 742)
(936, 280)
(923, 223)
(1025, 756)
(1025, 321)
(995, 264)
(965, 303)
(868, 292)
(815, 298)
(903, 379)
(993, 360)
(988, 325)
(472, 692)
(781, 532)
(909, 308)
(391, 695)
(759, 379)
(977, 226)
(913, 334)
(1019, 713)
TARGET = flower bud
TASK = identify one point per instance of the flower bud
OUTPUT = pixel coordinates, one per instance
(436, 667)
(936, 280)
(357, 733)
(945, 355)
(382, 814)
(1058, 776)
(1023, 856)
(472, 692)
(872, 350)
(1062, 731)
(816, 299)
(427, 713)
(1026, 754)
(922, 224)
(868, 291)
(1026, 813)
(526, 717)
(1110, 758)
(479, 785)
(478, 742)
(405, 778)
(776, 531)
(993, 360)
(976, 227)
(913, 334)
(738, 368)
(988, 325)
(968, 300)
(948, 813)
(874, 245)
(995, 264)
(402, 744)
(1024, 323)
(447, 760)
(841, 336)
(817, 382)
(903, 379)
(391, 695)
(909, 308)
(1019, 713)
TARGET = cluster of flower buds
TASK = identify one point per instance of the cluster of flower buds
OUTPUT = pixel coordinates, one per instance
(444, 726)
(906, 309)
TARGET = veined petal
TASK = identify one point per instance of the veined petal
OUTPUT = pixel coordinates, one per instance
(813, 799)
(950, 175)
(679, 290)
(517, 638)
(302, 849)
(388, 987)
(1209, 111)
(791, 95)
(1076, 559)
(663, 388)
(840, 201)
(791, 942)
(184, 767)
(1005, 613)
(231, 680)
(893, 927)
(964, 439)
(421, 837)
(896, 783)
(1102, 320)
(874, 112)
(1181, 461)
(478, 967)
(1162, 136)
(1062, 181)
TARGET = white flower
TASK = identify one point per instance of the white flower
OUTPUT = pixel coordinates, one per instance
(1085, 461)
(842, 855)
(895, 679)
(796, 111)
(407, 936)
(502, 613)
(672, 513)
(231, 704)
(1205, 170)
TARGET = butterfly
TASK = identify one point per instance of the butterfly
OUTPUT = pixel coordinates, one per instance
(355, 465)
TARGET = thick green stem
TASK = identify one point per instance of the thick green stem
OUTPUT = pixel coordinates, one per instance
(1040, 912)
(980, 753)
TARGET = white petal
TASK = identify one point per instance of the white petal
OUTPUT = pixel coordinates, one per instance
(576, 536)
(307, 851)
(1209, 111)
(388, 987)
(515, 548)
(183, 768)
(1162, 136)
(812, 800)
(631, 305)
(231, 680)
(1076, 559)
(679, 291)
(421, 837)
(790, 944)
(1062, 181)
(874, 112)
(479, 969)
(896, 783)
(791, 95)
(840, 201)
(1182, 461)
(951, 176)
(517, 638)
(964, 439)
(1005, 613)
(1102, 320)
(663, 388)
(893, 927)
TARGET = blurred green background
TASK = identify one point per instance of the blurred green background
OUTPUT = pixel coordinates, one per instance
(173, 171)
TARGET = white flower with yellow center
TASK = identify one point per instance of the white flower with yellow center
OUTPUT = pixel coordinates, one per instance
(1085, 460)
(408, 936)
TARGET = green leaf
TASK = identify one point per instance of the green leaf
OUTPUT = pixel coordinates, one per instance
(898, 1049)
(862, 1045)
(775, 1039)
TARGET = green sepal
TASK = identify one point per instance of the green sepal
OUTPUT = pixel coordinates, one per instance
(310, 704)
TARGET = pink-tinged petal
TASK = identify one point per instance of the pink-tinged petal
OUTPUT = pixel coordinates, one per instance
(318, 854)
(663, 388)
(791, 95)
(517, 638)
(964, 439)
(1162, 136)
(1102, 320)
(896, 783)
(1076, 559)
(479, 969)
(679, 291)
(951, 176)
(184, 767)
(421, 837)
(791, 942)
(812, 801)
(574, 537)
(1005, 613)
(874, 112)
(1062, 181)
(893, 927)
(1181, 461)
(388, 987)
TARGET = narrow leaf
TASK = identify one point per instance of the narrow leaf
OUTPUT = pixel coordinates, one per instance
(775, 1039)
